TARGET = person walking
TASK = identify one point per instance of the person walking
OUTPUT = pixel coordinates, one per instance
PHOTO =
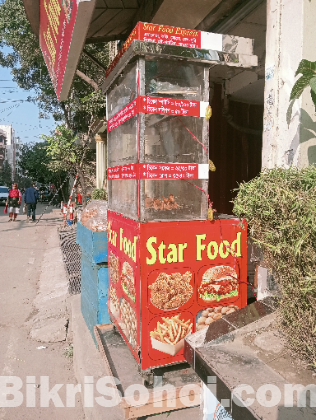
(30, 197)
(79, 199)
(13, 202)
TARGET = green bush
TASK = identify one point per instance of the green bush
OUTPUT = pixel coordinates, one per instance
(99, 194)
(280, 207)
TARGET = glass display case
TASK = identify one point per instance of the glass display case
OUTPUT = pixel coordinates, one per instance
(156, 115)
(175, 79)
(122, 144)
(123, 90)
(171, 270)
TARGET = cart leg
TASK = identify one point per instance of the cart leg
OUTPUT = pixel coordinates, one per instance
(113, 325)
(148, 378)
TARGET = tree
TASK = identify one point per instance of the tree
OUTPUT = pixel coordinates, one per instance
(22, 181)
(35, 164)
(6, 174)
(30, 72)
(67, 154)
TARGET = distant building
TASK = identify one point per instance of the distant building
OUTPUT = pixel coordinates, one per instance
(9, 148)
(18, 145)
(3, 143)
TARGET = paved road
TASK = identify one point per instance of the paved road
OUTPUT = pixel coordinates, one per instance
(23, 246)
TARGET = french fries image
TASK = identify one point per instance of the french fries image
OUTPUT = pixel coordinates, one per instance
(168, 336)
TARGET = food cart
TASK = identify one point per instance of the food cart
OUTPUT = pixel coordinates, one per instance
(172, 270)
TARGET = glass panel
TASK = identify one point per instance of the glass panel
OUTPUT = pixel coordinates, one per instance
(163, 138)
(173, 200)
(174, 79)
(167, 139)
(121, 142)
(123, 196)
(123, 91)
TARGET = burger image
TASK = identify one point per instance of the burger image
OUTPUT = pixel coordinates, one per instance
(128, 281)
(218, 283)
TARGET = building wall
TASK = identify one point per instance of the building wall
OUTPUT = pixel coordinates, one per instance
(3, 142)
(18, 145)
(9, 133)
(291, 33)
(10, 146)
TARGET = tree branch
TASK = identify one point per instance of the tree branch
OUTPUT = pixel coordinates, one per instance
(95, 60)
(87, 79)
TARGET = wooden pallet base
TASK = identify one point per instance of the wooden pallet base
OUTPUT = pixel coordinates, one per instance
(120, 363)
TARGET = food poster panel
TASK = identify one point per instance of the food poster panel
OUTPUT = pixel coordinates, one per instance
(124, 285)
(193, 273)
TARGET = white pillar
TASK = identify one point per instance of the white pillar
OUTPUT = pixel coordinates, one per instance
(291, 34)
(100, 140)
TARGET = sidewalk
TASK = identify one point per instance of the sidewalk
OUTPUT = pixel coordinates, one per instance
(34, 313)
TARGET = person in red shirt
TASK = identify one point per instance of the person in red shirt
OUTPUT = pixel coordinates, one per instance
(14, 202)
(79, 198)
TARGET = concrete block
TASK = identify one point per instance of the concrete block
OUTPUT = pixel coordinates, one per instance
(94, 314)
(90, 291)
(94, 291)
(49, 330)
(103, 276)
(103, 313)
(89, 312)
(93, 244)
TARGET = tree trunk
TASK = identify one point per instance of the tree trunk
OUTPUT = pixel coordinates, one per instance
(83, 186)
(62, 190)
(63, 107)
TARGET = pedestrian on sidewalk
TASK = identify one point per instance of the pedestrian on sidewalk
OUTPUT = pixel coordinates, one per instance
(79, 199)
(30, 197)
(14, 202)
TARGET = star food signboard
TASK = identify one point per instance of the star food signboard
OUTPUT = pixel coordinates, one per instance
(63, 28)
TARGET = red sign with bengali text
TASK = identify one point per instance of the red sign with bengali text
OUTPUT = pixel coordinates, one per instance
(63, 27)
(161, 34)
(159, 171)
(169, 171)
(124, 172)
(169, 35)
(155, 105)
